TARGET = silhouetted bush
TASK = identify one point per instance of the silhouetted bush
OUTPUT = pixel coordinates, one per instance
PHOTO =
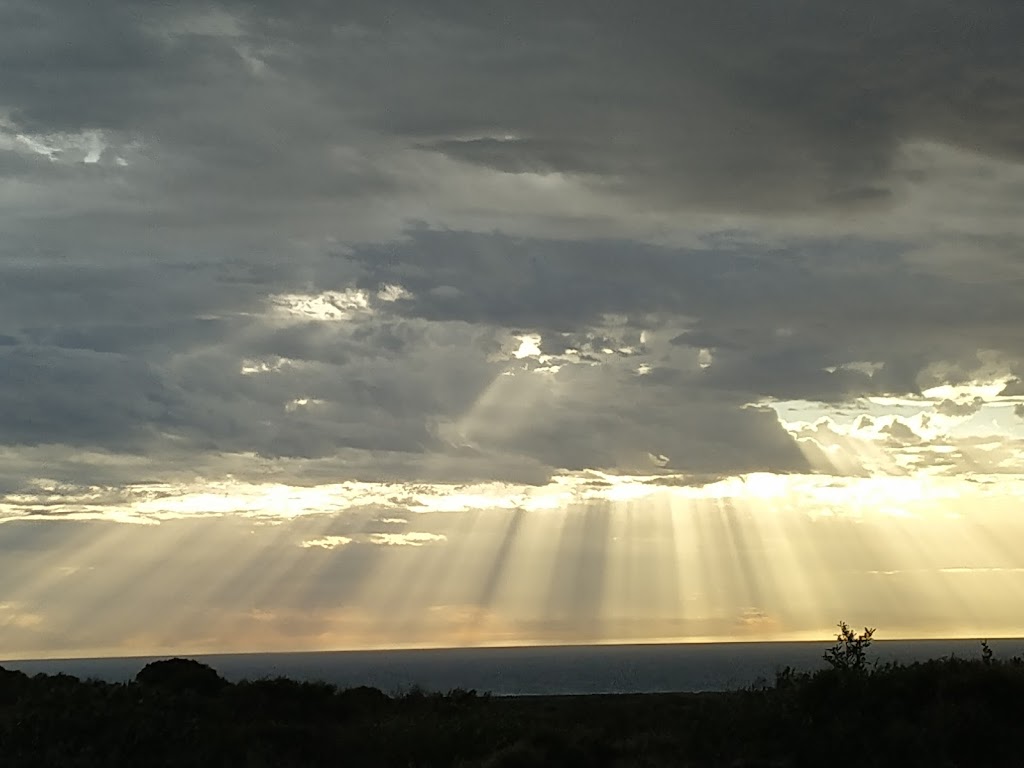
(181, 675)
(361, 700)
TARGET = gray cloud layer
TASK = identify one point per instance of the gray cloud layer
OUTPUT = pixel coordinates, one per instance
(166, 172)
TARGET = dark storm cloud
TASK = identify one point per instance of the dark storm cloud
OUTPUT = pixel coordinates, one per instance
(173, 381)
(761, 107)
(166, 171)
(54, 395)
(776, 320)
(164, 349)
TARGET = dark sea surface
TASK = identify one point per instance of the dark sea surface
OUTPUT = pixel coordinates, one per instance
(537, 670)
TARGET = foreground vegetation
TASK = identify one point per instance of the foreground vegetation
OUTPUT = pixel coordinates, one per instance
(945, 712)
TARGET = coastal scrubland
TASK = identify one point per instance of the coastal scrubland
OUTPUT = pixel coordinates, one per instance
(177, 712)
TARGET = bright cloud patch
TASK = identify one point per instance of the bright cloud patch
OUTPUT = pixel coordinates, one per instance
(326, 542)
(327, 306)
(409, 539)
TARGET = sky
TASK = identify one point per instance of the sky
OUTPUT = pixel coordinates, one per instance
(361, 325)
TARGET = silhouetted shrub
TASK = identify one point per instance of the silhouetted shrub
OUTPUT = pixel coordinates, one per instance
(361, 700)
(12, 684)
(181, 675)
(849, 654)
(986, 652)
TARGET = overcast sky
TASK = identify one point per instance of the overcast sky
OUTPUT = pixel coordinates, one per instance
(352, 324)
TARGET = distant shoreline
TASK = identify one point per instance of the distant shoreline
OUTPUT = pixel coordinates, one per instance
(531, 670)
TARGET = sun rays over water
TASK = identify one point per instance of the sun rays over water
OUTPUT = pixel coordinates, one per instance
(909, 523)
(358, 329)
(616, 559)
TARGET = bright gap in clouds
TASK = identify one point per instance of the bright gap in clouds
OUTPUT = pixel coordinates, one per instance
(330, 305)
(589, 558)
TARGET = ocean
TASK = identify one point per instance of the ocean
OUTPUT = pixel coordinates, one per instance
(532, 671)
